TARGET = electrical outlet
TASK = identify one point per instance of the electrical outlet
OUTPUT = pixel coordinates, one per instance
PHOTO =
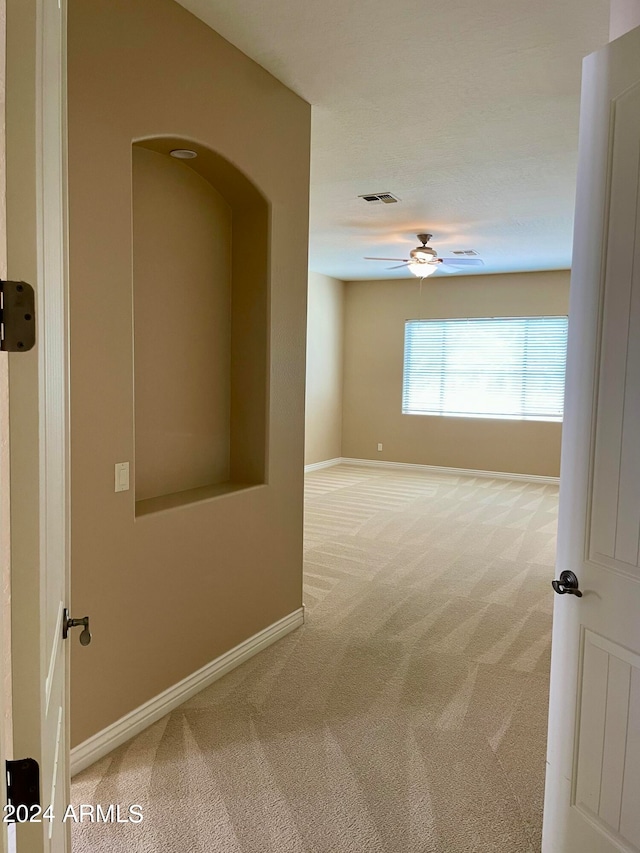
(379, 446)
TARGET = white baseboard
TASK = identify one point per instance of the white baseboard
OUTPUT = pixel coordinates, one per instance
(99, 745)
(460, 472)
(326, 463)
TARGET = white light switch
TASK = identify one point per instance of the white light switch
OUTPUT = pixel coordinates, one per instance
(122, 476)
(379, 446)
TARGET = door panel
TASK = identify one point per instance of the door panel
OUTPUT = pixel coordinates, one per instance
(605, 782)
(615, 526)
(592, 791)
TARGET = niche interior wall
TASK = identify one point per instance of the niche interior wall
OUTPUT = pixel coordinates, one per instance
(200, 325)
(209, 550)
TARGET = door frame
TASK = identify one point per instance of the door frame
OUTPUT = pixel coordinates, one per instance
(5, 553)
(36, 197)
(5, 599)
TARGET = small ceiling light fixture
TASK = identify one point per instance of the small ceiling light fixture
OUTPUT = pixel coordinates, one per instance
(183, 154)
(423, 260)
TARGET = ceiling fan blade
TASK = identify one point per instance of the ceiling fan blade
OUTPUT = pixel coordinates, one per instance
(463, 262)
(446, 268)
(386, 259)
(399, 265)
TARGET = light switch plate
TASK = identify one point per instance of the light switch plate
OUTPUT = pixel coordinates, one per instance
(122, 476)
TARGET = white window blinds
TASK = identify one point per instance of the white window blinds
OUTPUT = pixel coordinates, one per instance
(507, 367)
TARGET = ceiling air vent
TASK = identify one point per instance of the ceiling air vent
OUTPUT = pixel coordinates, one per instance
(464, 252)
(380, 198)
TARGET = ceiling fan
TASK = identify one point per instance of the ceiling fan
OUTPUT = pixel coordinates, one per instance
(424, 261)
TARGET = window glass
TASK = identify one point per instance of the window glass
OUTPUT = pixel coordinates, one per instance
(507, 367)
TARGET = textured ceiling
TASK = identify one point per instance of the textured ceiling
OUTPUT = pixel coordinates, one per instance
(468, 111)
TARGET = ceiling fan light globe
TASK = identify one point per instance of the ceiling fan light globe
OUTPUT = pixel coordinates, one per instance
(422, 269)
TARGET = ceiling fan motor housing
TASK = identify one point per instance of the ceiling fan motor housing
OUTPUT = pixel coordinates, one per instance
(419, 253)
(423, 254)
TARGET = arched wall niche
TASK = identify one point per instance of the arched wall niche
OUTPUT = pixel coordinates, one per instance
(200, 293)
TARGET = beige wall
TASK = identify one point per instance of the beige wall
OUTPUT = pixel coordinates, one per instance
(169, 591)
(374, 340)
(325, 335)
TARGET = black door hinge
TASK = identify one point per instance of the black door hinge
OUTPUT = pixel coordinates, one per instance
(17, 316)
(23, 784)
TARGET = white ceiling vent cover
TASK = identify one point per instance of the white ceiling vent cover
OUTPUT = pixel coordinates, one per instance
(464, 252)
(380, 198)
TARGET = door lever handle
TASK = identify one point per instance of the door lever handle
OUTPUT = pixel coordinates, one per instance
(567, 584)
(85, 636)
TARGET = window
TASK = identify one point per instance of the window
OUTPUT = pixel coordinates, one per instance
(508, 367)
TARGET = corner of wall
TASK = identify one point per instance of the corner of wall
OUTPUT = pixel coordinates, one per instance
(325, 368)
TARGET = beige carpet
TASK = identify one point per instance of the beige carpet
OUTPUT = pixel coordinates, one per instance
(407, 716)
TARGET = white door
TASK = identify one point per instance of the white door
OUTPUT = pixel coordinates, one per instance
(592, 801)
(38, 403)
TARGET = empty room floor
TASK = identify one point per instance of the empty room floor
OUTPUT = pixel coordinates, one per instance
(408, 715)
